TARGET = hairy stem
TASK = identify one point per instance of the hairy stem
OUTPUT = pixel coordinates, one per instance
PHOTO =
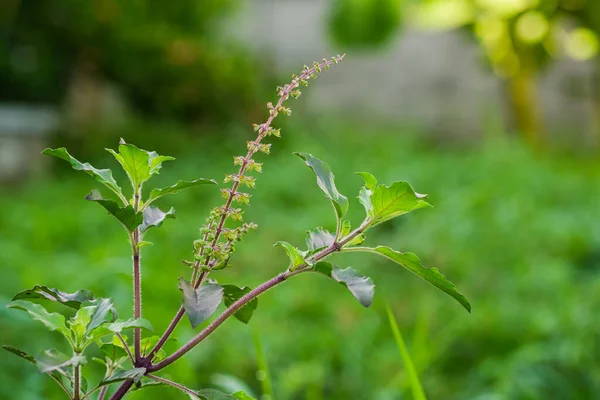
(173, 384)
(262, 132)
(102, 393)
(222, 318)
(76, 381)
(122, 390)
(126, 347)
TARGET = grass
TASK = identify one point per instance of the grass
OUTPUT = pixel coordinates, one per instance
(518, 233)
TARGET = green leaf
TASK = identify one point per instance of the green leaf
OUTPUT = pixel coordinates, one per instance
(113, 352)
(55, 375)
(53, 360)
(318, 239)
(72, 300)
(361, 287)
(383, 203)
(53, 321)
(212, 394)
(411, 262)
(153, 216)
(346, 228)
(103, 176)
(139, 164)
(180, 185)
(136, 374)
(120, 326)
(103, 312)
(232, 293)
(296, 256)
(19, 353)
(148, 344)
(80, 321)
(370, 180)
(326, 182)
(126, 215)
(201, 303)
(415, 383)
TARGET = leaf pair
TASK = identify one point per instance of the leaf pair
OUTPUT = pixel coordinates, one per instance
(95, 318)
(139, 165)
(200, 303)
(382, 203)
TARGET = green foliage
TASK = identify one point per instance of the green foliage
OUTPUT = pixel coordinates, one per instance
(231, 294)
(294, 254)
(326, 182)
(180, 185)
(506, 225)
(383, 203)
(126, 215)
(72, 300)
(361, 287)
(139, 165)
(200, 303)
(53, 321)
(104, 176)
(97, 318)
(411, 262)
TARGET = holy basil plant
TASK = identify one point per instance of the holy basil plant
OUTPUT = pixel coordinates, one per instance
(132, 356)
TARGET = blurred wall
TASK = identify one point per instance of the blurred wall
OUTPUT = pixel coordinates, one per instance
(436, 81)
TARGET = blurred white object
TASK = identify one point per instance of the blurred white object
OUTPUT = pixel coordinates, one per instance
(24, 133)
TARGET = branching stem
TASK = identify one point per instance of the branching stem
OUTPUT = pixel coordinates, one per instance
(262, 132)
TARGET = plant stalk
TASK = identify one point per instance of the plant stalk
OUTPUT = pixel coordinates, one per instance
(137, 294)
(262, 132)
(242, 301)
(77, 381)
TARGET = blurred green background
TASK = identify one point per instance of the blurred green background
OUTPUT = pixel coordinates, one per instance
(515, 223)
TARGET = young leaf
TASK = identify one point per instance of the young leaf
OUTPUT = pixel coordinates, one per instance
(154, 216)
(113, 352)
(53, 360)
(126, 215)
(53, 321)
(139, 164)
(326, 182)
(201, 303)
(232, 293)
(120, 326)
(103, 312)
(180, 185)
(103, 176)
(80, 321)
(136, 374)
(318, 239)
(383, 203)
(361, 287)
(72, 300)
(411, 262)
(370, 180)
(296, 256)
(148, 344)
